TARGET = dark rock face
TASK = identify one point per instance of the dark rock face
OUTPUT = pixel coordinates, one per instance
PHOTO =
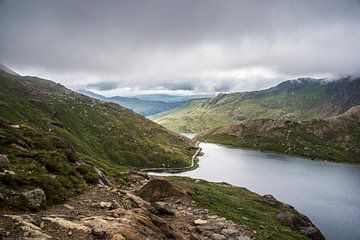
(34, 198)
(300, 223)
(295, 220)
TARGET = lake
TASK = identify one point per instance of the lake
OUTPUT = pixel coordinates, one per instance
(328, 193)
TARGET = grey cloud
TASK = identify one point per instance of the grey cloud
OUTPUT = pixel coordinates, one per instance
(103, 86)
(188, 45)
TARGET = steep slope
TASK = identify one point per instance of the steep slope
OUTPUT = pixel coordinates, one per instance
(298, 99)
(51, 137)
(334, 139)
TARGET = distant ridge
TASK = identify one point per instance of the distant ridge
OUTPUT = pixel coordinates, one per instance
(297, 99)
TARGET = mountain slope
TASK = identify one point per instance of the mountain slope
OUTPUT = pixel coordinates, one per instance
(298, 99)
(145, 107)
(334, 139)
(7, 70)
(51, 137)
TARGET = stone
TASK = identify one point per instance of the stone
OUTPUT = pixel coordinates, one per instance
(98, 233)
(200, 222)
(42, 225)
(229, 231)
(164, 208)
(4, 159)
(34, 198)
(68, 206)
(26, 234)
(216, 236)
(105, 204)
(70, 233)
(243, 238)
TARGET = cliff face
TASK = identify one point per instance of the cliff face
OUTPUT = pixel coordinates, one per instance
(334, 139)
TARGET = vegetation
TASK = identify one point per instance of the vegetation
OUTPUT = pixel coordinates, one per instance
(53, 137)
(291, 100)
(335, 139)
(243, 207)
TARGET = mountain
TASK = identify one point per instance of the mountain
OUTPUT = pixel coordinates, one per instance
(52, 137)
(170, 98)
(334, 139)
(298, 99)
(7, 70)
(145, 107)
(91, 94)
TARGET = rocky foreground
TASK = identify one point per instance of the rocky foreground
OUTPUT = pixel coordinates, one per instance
(148, 208)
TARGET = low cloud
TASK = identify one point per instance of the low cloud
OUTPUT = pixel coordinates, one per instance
(195, 46)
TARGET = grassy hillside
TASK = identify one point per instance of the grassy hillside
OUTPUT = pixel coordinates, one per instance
(52, 135)
(291, 100)
(243, 207)
(334, 139)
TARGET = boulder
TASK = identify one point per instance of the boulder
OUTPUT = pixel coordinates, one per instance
(159, 189)
(4, 159)
(34, 198)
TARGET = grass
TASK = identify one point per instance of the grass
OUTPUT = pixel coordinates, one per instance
(243, 207)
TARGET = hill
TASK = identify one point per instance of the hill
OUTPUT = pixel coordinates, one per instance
(51, 137)
(299, 99)
(334, 139)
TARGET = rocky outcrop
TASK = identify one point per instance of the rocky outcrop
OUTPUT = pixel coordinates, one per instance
(160, 210)
(34, 198)
(295, 220)
(163, 190)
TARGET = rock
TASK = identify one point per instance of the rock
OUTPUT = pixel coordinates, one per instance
(200, 222)
(68, 206)
(164, 208)
(42, 225)
(25, 222)
(216, 236)
(160, 189)
(300, 223)
(105, 204)
(229, 232)
(34, 198)
(243, 238)
(70, 233)
(4, 159)
(98, 233)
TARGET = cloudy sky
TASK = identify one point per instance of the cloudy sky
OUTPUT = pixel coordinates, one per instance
(187, 46)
